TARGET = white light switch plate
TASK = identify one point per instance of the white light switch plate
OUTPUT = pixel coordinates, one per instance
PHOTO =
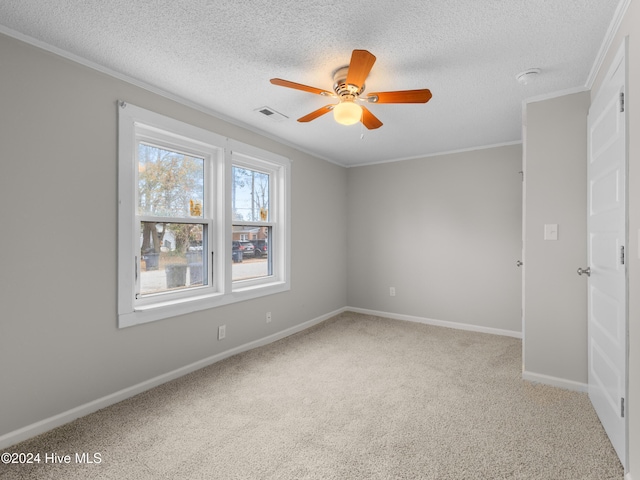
(551, 231)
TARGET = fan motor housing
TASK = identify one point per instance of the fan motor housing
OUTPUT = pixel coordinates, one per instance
(340, 85)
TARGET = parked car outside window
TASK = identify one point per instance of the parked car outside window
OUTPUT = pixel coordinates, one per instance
(260, 247)
(248, 250)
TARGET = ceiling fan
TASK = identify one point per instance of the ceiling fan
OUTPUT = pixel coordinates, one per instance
(347, 88)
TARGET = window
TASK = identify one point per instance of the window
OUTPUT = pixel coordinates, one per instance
(250, 210)
(174, 222)
(203, 220)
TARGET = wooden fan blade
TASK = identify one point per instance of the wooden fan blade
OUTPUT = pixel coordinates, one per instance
(369, 120)
(316, 113)
(299, 86)
(401, 96)
(359, 67)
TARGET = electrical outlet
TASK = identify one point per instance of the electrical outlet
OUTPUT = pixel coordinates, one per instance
(222, 332)
(268, 317)
(392, 291)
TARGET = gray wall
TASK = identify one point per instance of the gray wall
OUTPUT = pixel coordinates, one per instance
(629, 27)
(59, 344)
(445, 231)
(555, 297)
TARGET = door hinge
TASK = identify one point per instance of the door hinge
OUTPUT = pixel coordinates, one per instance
(622, 255)
(622, 407)
(621, 102)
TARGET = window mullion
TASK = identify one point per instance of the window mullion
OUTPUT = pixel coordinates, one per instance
(226, 220)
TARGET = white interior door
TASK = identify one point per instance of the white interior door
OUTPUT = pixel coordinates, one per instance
(607, 220)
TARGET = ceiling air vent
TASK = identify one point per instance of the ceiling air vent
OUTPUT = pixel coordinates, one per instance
(271, 113)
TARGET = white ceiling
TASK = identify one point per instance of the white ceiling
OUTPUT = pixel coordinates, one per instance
(220, 55)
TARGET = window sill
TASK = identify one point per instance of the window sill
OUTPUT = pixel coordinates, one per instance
(174, 308)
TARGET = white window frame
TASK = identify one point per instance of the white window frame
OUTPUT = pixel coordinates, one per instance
(134, 124)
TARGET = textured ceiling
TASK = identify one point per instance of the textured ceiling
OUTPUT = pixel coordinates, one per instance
(220, 55)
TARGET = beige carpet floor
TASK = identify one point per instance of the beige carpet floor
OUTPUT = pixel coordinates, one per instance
(355, 397)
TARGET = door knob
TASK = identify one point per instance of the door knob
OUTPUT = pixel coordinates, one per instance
(586, 271)
(519, 263)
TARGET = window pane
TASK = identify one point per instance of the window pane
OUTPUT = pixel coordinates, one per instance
(251, 258)
(171, 256)
(170, 184)
(250, 195)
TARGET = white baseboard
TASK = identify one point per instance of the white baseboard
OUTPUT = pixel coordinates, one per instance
(437, 323)
(47, 424)
(628, 477)
(555, 381)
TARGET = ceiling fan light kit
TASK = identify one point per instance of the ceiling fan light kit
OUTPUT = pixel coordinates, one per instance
(348, 86)
(347, 112)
